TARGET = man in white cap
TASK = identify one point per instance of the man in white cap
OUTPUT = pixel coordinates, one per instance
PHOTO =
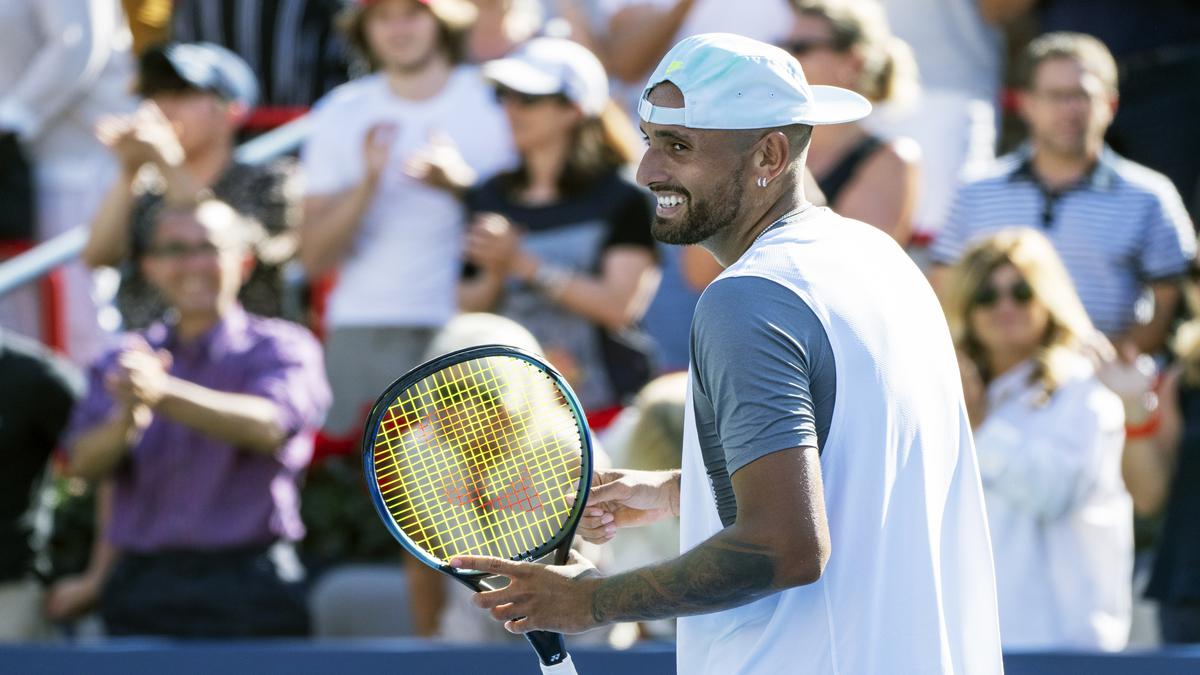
(830, 506)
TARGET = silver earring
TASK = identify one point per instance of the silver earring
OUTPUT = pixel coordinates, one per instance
(762, 182)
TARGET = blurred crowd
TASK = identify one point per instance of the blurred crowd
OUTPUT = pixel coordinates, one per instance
(183, 403)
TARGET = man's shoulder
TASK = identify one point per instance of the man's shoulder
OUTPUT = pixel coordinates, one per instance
(1140, 179)
(266, 329)
(995, 175)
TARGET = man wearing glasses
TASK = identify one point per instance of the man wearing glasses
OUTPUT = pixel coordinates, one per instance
(203, 423)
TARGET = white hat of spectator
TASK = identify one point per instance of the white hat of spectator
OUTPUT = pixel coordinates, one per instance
(733, 82)
(546, 66)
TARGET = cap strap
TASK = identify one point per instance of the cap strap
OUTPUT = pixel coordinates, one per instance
(659, 115)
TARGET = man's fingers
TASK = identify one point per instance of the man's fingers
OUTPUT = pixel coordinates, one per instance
(503, 596)
(501, 566)
(609, 492)
(520, 626)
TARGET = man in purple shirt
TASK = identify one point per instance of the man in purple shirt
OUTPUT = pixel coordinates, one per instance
(203, 425)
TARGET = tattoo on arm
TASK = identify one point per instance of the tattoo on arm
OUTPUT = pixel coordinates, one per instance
(721, 573)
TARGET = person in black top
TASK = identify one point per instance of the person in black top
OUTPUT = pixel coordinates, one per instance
(849, 44)
(562, 244)
(35, 404)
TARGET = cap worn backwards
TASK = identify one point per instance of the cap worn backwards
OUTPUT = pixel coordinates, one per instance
(733, 82)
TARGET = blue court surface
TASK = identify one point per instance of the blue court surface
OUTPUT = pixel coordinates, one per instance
(126, 657)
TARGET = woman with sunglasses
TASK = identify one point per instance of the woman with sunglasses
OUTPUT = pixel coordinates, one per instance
(562, 244)
(1049, 438)
(847, 43)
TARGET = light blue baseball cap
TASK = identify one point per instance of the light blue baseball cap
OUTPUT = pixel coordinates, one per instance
(733, 82)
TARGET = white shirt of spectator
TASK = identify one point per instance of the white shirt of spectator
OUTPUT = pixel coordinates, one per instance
(405, 261)
(1061, 519)
(63, 66)
(909, 584)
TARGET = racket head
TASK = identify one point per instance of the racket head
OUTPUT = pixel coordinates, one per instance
(475, 453)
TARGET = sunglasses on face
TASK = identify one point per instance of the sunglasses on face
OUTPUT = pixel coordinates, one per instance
(505, 94)
(179, 251)
(804, 46)
(1020, 292)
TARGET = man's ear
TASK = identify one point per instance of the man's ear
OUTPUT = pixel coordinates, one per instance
(772, 156)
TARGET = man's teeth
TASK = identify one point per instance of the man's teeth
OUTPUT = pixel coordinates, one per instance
(667, 201)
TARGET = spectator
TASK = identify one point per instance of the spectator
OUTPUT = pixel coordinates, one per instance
(960, 57)
(562, 243)
(1118, 226)
(177, 147)
(501, 26)
(1162, 470)
(63, 66)
(847, 43)
(641, 31)
(35, 404)
(204, 425)
(292, 46)
(383, 171)
(1157, 46)
(1049, 437)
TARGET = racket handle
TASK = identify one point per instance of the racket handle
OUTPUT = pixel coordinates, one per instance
(550, 648)
(564, 667)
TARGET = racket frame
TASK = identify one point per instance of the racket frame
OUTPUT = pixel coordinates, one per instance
(549, 646)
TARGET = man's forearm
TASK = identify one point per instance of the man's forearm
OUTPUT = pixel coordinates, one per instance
(725, 571)
(328, 229)
(98, 450)
(245, 421)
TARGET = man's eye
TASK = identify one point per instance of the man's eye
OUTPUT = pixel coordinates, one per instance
(678, 147)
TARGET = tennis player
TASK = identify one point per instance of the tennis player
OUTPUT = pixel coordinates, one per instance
(831, 514)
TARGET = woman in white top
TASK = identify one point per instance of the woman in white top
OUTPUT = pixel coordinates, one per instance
(1048, 436)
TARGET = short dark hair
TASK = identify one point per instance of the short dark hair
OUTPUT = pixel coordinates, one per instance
(798, 136)
(157, 76)
(351, 22)
(1085, 49)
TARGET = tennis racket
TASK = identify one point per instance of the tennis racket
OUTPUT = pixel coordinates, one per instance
(479, 452)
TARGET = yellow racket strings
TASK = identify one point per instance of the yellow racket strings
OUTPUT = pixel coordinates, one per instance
(478, 458)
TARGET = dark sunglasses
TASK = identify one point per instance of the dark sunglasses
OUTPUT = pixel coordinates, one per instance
(505, 94)
(1020, 292)
(802, 46)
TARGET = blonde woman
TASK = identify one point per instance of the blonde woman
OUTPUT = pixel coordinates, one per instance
(1049, 437)
(847, 43)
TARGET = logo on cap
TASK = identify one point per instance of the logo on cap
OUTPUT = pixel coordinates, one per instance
(674, 66)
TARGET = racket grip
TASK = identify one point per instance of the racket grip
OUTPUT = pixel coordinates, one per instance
(550, 648)
(564, 667)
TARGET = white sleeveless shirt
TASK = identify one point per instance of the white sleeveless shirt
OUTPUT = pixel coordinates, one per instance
(909, 586)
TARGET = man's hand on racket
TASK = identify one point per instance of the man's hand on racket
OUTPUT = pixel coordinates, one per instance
(538, 597)
(625, 498)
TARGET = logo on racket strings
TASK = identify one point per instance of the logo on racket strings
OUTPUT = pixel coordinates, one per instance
(519, 494)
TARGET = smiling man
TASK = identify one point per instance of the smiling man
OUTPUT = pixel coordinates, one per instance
(830, 506)
(204, 424)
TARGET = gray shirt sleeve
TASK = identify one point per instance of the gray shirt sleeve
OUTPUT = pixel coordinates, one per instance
(764, 373)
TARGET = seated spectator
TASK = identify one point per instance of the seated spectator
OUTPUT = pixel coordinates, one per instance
(204, 425)
(1162, 470)
(1119, 227)
(35, 404)
(501, 26)
(960, 55)
(63, 66)
(562, 244)
(388, 156)
(293, 48)
(846, 43)
(1048, 436)
(180, 145)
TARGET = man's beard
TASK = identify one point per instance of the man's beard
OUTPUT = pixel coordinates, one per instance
(703, 218)
(417, 64)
